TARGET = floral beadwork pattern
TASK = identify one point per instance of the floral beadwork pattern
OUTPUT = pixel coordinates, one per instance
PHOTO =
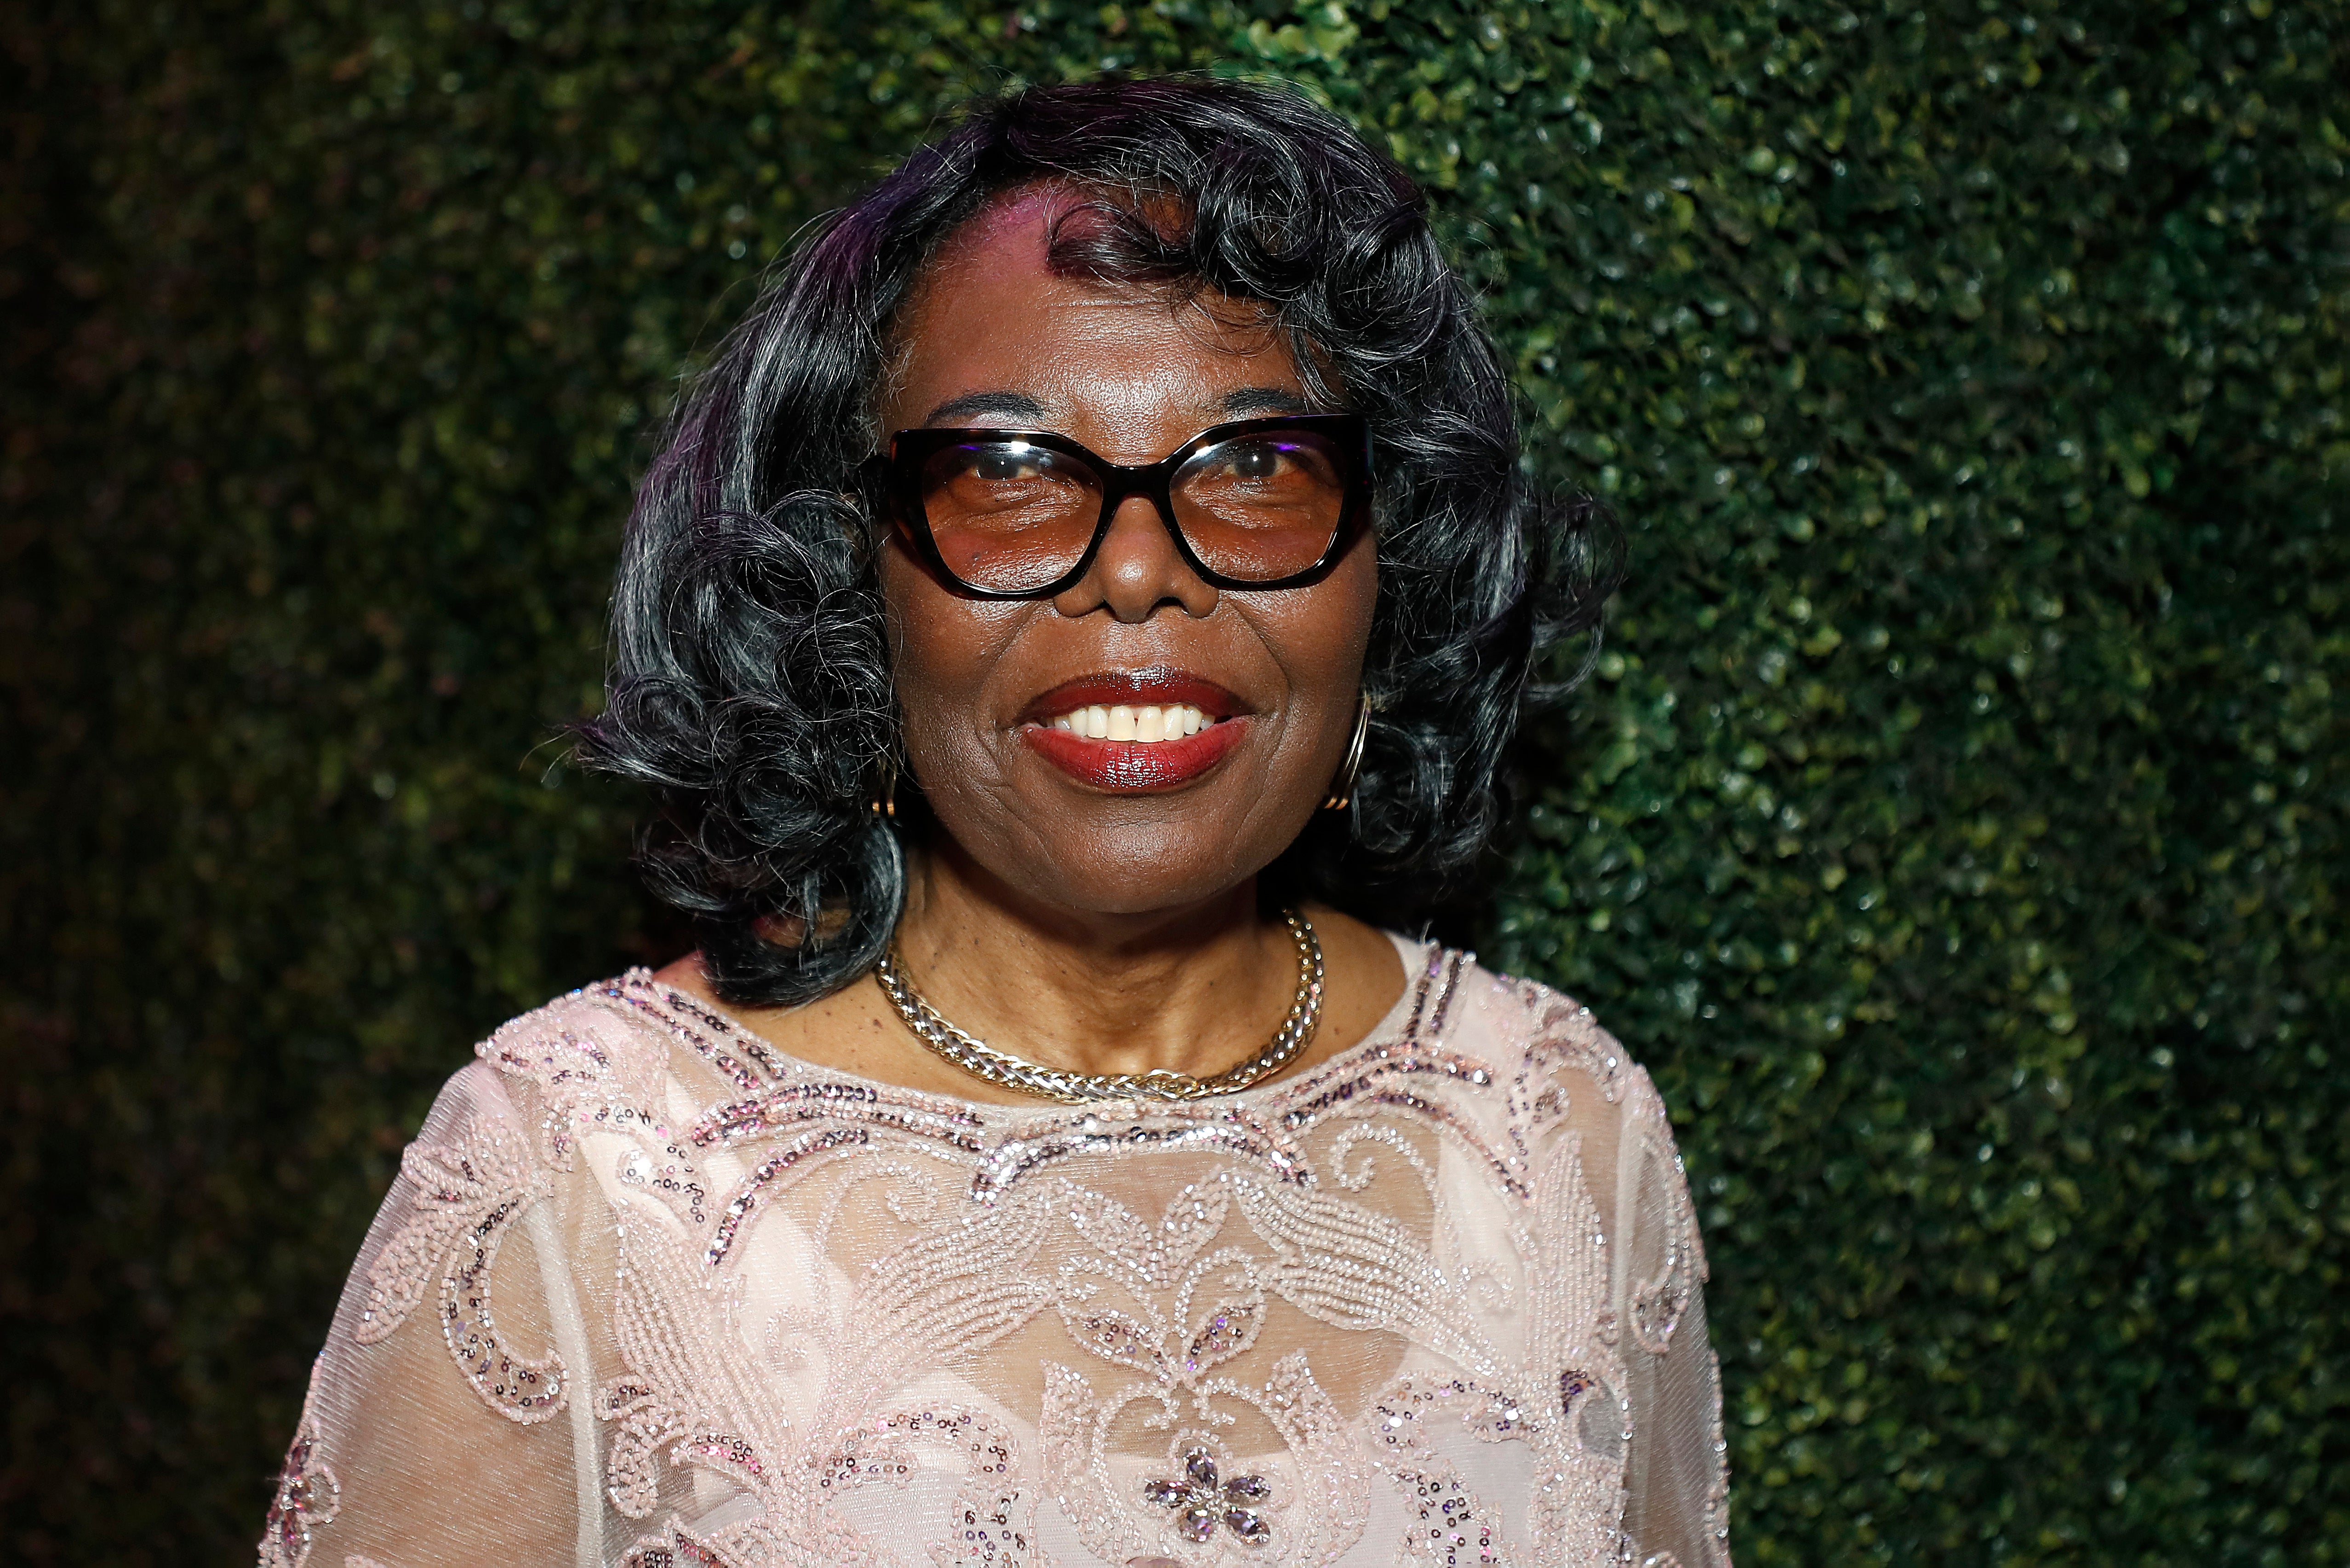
(1201, 1501)
(1562, 1400)
(675, 1547)
(1435, 1302)
(466, 1195)
(1659, 1300)
(308, 1496)
(688, 1401)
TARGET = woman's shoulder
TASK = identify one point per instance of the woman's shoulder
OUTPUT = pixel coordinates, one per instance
(1537, 1036)
(1537, 1059)
(1556, 1055)
(622, 1043)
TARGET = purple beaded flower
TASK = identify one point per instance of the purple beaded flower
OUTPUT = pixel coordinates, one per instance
(1201, 1502)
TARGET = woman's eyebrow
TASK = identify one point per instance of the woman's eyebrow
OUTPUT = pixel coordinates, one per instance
(1008, 405)
(1264, 400)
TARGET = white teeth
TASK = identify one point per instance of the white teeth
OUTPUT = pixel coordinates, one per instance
(1146, 726)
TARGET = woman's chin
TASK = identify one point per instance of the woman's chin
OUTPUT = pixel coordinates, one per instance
(1164, 863)
(1148, 874)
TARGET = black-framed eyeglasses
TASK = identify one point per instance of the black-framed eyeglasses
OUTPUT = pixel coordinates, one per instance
(1019, 515)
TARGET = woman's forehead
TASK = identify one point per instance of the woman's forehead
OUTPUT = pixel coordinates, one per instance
(1015, 222)
(992, 316)
(1027, 218)
(1009, 247)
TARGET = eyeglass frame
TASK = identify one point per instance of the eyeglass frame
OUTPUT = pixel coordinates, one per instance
(895, 473)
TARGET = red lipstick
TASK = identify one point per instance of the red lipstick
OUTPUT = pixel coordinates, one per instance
(1134, 767)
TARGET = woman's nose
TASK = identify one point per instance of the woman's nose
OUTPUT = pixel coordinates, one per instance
(1137, 570)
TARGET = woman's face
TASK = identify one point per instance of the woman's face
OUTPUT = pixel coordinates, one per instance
(991, 338)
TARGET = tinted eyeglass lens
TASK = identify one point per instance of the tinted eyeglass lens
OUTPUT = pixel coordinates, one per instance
(1259, 508)
(1007, 516)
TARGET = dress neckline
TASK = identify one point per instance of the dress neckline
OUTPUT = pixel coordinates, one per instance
(1430, 973)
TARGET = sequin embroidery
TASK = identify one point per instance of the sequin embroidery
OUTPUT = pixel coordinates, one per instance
(308, 1496)
(1378, 1313)
(466, 1197)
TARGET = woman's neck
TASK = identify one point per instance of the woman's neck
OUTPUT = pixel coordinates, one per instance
(1193, 989)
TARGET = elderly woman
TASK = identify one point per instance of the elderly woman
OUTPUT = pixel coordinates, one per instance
(1100, 559)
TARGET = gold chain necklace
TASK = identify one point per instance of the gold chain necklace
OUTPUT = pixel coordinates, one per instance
(1001, 1067)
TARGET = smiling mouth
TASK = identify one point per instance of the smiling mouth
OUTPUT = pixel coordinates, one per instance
(1135, 731)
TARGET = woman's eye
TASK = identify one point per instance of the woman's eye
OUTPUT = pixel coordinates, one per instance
(1001, 467)
(1258, 461)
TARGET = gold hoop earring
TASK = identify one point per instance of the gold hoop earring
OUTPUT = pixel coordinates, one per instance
(885, 804)
(1342, 788)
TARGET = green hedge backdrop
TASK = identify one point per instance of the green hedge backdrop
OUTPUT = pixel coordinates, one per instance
(1953, 825)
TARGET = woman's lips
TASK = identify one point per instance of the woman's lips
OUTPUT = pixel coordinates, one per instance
(1133, 767)
(1146, 711)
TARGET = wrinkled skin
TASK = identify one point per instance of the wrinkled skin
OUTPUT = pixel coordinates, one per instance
(1079, 926)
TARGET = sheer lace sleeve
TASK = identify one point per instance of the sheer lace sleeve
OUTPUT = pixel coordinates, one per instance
(1676, 1503)
(447, 1413)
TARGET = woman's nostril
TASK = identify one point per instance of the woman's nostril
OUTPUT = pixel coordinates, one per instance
(1140, 570)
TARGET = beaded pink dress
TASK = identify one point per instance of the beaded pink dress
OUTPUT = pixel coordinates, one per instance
(650, 1294)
